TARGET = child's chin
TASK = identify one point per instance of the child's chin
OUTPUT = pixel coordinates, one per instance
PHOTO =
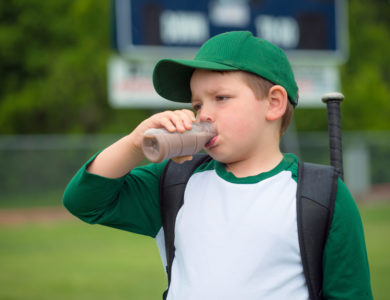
(218, 156)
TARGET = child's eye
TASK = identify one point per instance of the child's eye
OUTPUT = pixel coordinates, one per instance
(196, 107)
(222, 98)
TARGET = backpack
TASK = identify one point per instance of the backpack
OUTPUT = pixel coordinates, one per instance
(316, 193)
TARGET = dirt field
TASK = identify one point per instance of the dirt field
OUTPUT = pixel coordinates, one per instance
(9, 217)
(40, 214)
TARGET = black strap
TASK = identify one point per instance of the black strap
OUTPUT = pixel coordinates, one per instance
(316, 193)
(172, 185)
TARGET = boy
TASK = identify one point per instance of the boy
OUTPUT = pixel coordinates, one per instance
(236, 233)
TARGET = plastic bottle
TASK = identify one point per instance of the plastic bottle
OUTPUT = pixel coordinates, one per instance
(159, 144)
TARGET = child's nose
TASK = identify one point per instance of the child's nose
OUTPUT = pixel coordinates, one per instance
(205, 114)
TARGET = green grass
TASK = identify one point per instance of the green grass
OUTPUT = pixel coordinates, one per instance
(376, 222)
(72, 260)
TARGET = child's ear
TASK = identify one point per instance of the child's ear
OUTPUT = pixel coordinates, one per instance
(277, 98)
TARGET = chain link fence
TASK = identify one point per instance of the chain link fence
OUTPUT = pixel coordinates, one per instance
(35, 169)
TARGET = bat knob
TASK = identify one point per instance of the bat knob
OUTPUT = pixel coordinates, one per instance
(332, 97)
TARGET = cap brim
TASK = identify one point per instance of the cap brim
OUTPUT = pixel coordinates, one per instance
(171, 77)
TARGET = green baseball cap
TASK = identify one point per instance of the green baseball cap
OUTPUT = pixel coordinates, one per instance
(230, 51)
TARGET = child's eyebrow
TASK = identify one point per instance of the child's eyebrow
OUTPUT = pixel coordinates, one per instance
(212, 91)
(194, 99)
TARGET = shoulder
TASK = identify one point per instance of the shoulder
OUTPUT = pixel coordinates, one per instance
(346, 224)
(346, 210)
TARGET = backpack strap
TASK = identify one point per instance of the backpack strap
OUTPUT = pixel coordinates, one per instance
(316, 193)
(172, 186)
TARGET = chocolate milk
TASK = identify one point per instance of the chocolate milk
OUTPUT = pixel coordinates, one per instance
(159, 144)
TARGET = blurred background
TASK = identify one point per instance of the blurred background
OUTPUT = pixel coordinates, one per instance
(76, 75)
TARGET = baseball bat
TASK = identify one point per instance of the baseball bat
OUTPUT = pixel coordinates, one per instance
(333, 101)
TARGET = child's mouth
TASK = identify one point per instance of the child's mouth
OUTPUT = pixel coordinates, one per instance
(211, 142)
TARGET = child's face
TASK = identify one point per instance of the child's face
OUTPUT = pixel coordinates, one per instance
(226, 100)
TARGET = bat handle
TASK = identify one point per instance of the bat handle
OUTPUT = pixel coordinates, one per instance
(333, 101)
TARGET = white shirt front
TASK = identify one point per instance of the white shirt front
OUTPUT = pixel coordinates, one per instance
(237, 240)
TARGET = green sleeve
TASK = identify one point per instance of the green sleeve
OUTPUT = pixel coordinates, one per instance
(346, 271)
(130, 203)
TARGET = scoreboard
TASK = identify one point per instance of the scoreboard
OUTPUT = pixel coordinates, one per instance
(300, 27)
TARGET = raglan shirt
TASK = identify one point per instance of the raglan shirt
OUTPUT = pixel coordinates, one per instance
(235, 238)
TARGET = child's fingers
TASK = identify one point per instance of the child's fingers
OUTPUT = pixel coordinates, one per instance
(190, 114)
(177, 120)
(180, 119)
(167, 121)
(187, 117)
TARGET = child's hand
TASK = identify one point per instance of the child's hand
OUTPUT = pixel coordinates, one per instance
(118, 159)
(177, 120)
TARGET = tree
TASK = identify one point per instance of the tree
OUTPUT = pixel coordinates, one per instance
(53, 58)
(366, 76)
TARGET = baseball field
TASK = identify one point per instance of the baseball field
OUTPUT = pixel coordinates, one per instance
(59, 257)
